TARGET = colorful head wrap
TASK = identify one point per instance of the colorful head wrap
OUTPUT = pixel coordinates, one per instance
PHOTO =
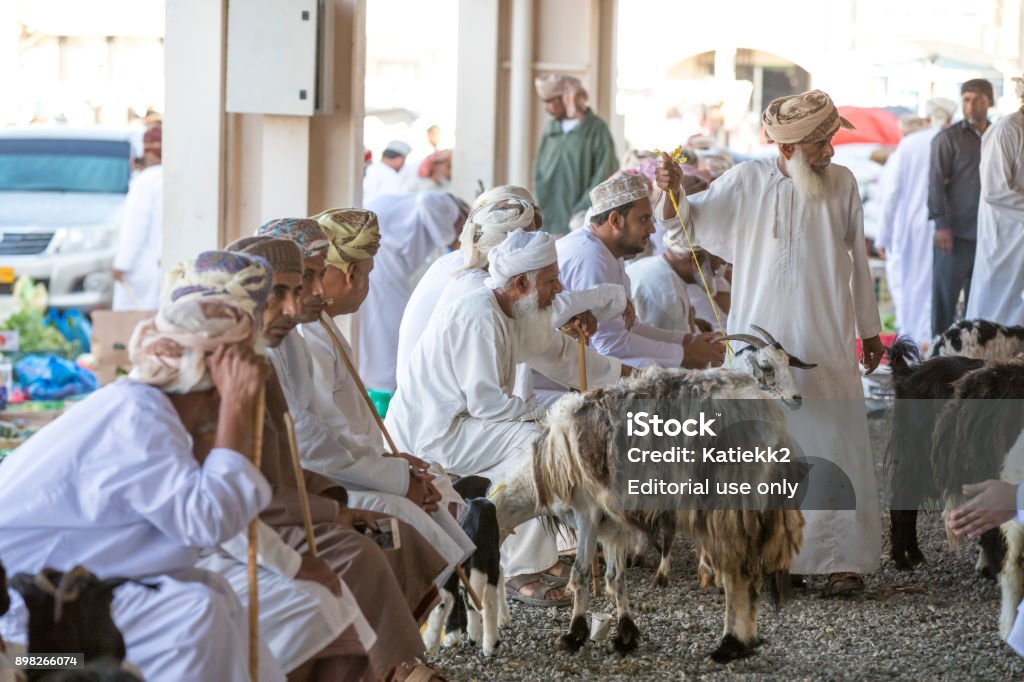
(801, 119)
(207, 303)
(353, 233)
(303, 231)
(284, 255)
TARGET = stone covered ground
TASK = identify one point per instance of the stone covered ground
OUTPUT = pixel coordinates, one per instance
(937, 622)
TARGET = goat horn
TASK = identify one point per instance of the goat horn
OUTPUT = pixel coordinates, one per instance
(746, 338)
(799, 364)
(766, 335)
(66, 590)
(43, 582)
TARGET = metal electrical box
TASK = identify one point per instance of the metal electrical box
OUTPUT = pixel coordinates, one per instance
(280, 57)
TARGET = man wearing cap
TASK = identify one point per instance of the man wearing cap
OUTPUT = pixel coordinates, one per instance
(455, 404)
(384, 176)
(576, 152)
(118, 485)
(905, 232)
(137, 260)
(954, 189)
(793, 228)
(621, 226)
(999, 263)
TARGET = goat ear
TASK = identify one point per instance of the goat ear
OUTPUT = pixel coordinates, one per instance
(799, 364)
(24, 584)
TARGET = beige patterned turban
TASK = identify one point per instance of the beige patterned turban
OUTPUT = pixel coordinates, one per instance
(489, 224)
(505, 192)
(802, 119)
(1018, 86)
(354, 235)
(284, 255)
(616, 191)
(568, 87)
(207, 303)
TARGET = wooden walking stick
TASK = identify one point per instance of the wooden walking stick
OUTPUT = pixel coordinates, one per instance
(300, 480)
(387, 436)
(254, 605)
(595, 567)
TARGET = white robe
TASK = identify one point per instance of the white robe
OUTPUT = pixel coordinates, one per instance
(455, 403)
(412, 228)
(374, 481)
(139, 241)
(998, 280)
(659, 294)
(381, 179)
(423, 301)
(585, 262)
(298, 618)
(907, 235)
(801, 272)
(702, 309)
(112, 485)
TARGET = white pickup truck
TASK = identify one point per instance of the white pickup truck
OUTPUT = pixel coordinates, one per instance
(61, 195)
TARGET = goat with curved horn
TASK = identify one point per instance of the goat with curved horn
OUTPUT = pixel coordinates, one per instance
(768, 337)
(757, 343)
(67, 590)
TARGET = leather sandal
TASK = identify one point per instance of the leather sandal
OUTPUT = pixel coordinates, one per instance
(514, 585)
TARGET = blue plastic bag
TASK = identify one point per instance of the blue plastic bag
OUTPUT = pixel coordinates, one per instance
(48, 377)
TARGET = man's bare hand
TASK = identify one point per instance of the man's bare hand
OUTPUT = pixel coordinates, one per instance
(992, 504)
(319, 571)
(668, 176)
(238, 373)
(629, 315)
(703, 350)
(119, 275)
(414, 462)
(872, 351)
(584, 323)
(349, 517)
(944, 239)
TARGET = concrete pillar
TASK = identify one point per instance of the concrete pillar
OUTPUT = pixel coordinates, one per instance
(476, 155)
(193, 143)
(284, 177)
(521, 93)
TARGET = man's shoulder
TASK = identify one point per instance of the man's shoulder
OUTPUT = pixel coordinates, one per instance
(594, 121)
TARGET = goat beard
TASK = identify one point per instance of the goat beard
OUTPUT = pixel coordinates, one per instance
(808, 183)
(529, 315)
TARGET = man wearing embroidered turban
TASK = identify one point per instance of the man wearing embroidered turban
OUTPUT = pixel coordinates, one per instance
(794, 228)
(576, 152)
(139, 496)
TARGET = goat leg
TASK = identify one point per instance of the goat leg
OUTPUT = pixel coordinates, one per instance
(740, 633)
(666, 534)
(579, 583)
(627, 636)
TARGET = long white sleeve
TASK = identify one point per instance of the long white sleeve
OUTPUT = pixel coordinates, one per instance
(271, 551)
(1000, 164)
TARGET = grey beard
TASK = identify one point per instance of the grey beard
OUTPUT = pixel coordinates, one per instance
(808, 184)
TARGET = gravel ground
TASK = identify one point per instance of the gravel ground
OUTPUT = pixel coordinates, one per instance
(937, 622)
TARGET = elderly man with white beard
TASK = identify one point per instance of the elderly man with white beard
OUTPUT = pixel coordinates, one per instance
(455, 404)
(793, 227)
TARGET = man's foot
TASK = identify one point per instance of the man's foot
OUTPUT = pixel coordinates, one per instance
(536, 589)
(844, 583)
(416, 672)
(559, 573)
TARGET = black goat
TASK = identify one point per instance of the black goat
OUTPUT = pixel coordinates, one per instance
(70, 613)
(485, 575)
(920, 389)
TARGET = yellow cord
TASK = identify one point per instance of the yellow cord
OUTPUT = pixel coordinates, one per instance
(676, 156)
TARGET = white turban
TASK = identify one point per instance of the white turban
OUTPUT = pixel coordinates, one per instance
(488, 225)
(521, 252)
(801, 119)
(940, 107)
(504, 192)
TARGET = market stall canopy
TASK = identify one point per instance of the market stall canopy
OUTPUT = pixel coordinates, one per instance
(874, 126)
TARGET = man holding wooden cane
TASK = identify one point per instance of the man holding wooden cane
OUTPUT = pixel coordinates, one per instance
(129, 497)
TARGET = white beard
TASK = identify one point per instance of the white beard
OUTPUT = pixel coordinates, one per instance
(529, 315)
(709, 276)
(808, 184)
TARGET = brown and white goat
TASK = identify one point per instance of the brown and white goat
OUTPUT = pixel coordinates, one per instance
(570, 475)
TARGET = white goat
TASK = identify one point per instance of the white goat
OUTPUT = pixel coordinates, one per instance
(571, 471)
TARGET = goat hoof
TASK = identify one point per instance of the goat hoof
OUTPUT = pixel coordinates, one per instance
(574, 640)
(915, 557)
(660, 580)
(902, 563)
(628, 637)
(731, 649)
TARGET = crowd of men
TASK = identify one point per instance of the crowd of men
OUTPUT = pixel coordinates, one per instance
(951, 213)
(153, 477)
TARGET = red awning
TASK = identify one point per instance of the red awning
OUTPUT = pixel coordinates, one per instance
(874, 126)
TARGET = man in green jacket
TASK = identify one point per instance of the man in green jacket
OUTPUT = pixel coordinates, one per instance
(576, 152)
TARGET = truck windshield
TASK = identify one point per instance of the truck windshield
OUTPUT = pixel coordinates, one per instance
(64, 165)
